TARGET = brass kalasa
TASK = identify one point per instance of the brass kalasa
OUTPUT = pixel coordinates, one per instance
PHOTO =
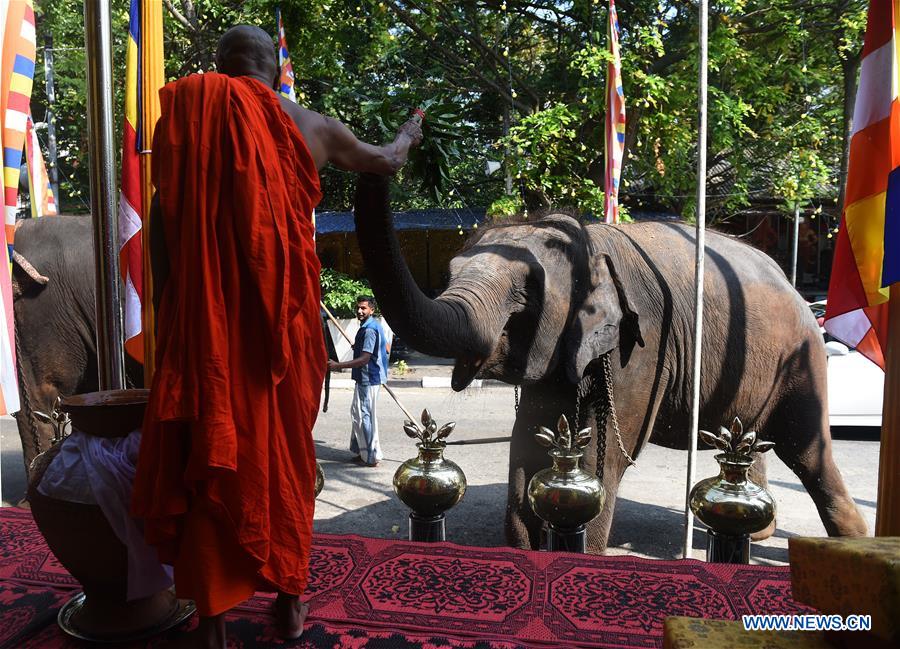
(730, 504)
(429, 484)
(564, 495)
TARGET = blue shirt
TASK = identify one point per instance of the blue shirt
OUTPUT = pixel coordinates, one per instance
(370, 338)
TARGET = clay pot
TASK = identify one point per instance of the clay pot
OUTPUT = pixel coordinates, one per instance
(83, 541)
(109, 413)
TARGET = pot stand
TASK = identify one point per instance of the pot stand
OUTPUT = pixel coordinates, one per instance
(427, 529)
(725, 548)
(559, 540)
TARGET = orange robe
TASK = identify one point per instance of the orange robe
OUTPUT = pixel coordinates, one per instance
(226, 470)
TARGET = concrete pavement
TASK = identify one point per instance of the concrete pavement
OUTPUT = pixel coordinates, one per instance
(648, 520)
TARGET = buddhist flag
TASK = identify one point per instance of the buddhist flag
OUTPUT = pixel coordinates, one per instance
(615, 119)
(17, 53)
(43, 203)
(866, 257)
(284, 63)
(130, 202)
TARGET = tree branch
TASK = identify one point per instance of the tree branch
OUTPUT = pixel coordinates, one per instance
(486, 49)
(410, 22)
(179, 17)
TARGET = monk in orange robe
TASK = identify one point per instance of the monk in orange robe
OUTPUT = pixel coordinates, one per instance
(226, 470)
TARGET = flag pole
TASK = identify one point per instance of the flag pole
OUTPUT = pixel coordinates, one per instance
(698, 282)
(887, 508)
(795, 244)
(104, 208)
(51, 121)
(152, 79)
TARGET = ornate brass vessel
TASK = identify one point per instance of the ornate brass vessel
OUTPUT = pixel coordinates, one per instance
(429, 484)
(730, 504)
(564, 495)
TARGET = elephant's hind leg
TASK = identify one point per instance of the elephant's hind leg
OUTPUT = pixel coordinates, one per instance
(804, 443)
(758, 475)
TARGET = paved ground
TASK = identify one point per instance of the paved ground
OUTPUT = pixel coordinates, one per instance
(648, 518)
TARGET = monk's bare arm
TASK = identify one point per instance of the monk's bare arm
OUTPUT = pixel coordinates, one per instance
(159, 254)
(348, 153)
(331, 141)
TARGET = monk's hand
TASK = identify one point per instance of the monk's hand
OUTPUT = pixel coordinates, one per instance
(412, 130)
(333, 366)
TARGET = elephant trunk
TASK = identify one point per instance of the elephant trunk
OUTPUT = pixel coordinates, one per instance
(445, 326)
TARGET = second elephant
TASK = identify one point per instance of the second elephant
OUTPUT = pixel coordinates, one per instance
(544, 303)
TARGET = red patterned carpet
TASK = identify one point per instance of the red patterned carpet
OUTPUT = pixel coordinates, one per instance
(380, 594)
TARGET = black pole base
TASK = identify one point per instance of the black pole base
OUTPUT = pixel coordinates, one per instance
(723, 548)
(566, 540)
(427, 529)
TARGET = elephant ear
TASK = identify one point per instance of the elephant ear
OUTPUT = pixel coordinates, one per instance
(25, 277)
(603, 321)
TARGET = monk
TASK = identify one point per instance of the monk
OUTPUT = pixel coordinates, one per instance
(226, 472)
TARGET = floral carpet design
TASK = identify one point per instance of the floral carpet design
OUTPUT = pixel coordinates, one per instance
(382, 594)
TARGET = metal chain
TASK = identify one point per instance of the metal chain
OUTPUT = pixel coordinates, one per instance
(516, 393)
(607, 375)
(601, 414)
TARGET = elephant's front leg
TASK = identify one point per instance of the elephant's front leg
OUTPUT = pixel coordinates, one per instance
(614, 468)
(540, 405)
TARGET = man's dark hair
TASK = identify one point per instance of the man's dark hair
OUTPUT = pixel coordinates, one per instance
(246, 50)
(369, 299)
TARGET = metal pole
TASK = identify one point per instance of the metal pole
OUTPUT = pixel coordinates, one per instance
(795, 244)
(110, 350)
(51, 121)
(698, 285)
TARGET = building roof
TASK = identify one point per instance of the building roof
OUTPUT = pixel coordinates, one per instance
(435, 219)
(440, 219)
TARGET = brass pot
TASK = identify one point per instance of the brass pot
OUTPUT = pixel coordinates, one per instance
(565, 495)
(730, 503)
(429, 484)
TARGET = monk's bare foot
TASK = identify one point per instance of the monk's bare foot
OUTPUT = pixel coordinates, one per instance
(209, 634)
(290, 614)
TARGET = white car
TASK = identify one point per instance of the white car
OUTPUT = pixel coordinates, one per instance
(855, 384)
(855, 387)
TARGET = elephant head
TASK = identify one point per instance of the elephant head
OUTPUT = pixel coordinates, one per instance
(525, 300)
(53, 287)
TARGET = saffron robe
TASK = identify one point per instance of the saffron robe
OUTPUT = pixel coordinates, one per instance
(227, 462)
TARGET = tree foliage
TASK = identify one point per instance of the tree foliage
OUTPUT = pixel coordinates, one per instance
(521, 82)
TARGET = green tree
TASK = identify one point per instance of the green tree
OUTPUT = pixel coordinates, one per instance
(521, 81)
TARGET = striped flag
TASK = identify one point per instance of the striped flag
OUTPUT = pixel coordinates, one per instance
(615, 120)
(866, 256)
(284, 63)
(130, 203)
(17, 54)
(43, 203)
(287, 77)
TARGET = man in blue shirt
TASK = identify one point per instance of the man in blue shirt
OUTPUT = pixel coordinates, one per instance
(369, 370)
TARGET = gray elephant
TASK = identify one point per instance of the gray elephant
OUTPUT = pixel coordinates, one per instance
(546, 303)
(53, 298)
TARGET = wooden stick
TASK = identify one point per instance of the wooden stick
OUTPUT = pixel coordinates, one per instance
(887, 510)
(347, 338)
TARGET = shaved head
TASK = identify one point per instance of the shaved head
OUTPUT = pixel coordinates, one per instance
(245, 50)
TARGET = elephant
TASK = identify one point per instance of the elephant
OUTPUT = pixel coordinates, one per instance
(546, 303)
(53, 283)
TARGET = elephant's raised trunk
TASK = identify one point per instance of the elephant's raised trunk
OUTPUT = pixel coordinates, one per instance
(445, 326)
